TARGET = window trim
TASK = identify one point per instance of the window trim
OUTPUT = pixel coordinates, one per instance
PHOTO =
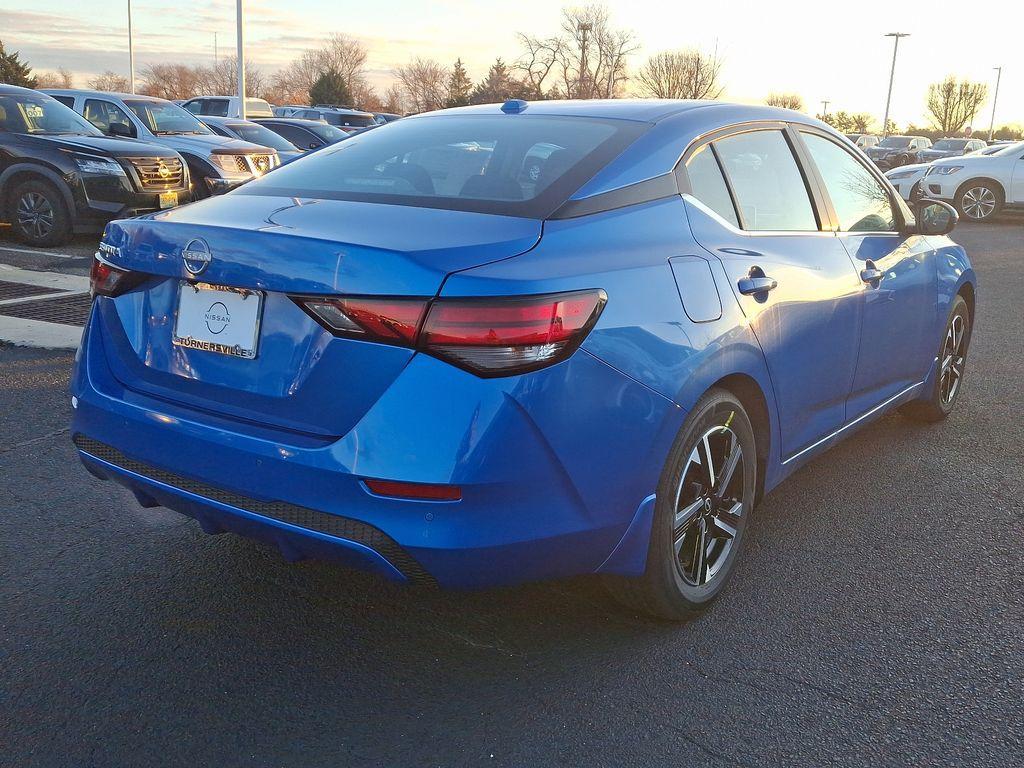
(822, 213)
(899, 208)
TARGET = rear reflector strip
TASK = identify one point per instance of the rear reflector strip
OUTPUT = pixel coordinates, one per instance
(420, 491)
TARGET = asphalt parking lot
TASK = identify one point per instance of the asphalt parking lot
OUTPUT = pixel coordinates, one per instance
(877, 617)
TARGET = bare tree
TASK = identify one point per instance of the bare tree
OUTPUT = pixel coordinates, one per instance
(394, 100)
(952, 104)
(424, 84)
(172, 81)
(343, 54)
(222, 78)
(110, 81)
(785, 101)
(587, 59)
(687, 74)
(62, 78)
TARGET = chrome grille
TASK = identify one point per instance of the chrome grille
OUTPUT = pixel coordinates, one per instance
(159, 172)
(243, 164)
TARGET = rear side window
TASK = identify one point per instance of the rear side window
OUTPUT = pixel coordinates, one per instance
(215, 107)
(300, 138)
(516, 165)
(67, 101)
(708, 185)
(860, 201)
(769, 188)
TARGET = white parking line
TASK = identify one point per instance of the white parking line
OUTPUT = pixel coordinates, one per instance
(36, 333)
(55, 280)
(41, 253)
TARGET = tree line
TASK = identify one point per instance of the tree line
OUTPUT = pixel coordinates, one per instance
(587, 56)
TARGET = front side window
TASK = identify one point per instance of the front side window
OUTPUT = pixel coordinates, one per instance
(215, 107)
(103, 113)
(466, 162)
(165, 118)
(861, 203)
(766, 180)
(708, 185)
(39, 114)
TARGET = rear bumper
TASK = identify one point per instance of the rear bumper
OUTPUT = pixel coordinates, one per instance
(554, 471)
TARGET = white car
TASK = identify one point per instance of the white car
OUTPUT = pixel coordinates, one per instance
(905, 179)
(228, 106)
(979, 185)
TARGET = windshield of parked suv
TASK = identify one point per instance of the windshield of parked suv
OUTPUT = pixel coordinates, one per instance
(950, 144)
(41, 115)
(1010, 149)
(896, 142)
(516, 165)
(328, 133)
(165, 118)
(261, 135)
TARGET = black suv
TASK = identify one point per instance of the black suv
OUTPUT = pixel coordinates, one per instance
(59, 175)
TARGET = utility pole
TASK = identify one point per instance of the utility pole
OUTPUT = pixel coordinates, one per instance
(215, 49)
(824, 107)
(131, 49)
(892, 75)
(584, 27)
(992, 125)
(240, 60)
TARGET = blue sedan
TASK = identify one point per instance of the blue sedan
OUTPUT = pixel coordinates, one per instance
(522, 341)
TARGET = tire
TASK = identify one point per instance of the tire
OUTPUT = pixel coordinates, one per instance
(956, 339)
(979, 201)
(676, 584)
(38, 214)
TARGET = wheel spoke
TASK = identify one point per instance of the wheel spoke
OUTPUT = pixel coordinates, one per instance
(684, 518)
(700, 555)
(731, 462)
(707, 461)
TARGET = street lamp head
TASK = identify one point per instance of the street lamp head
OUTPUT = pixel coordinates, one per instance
(897, 34)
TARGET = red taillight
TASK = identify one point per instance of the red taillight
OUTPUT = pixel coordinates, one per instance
(489, 336)
(421, 491)
(496, 337)
(393, 321)
(105, 280)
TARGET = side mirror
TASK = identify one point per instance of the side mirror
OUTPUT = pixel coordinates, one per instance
(121, 129)
(935, 217)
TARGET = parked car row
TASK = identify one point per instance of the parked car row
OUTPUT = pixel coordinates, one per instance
(979, 185)
(71, 160)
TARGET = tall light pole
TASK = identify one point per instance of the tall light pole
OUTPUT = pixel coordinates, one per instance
(992, 125)
(241, 60)
(584, 27)
(131, 49)
(892, 74)
(824, 108)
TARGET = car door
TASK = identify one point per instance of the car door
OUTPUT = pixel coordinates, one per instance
(751, 206)
(1017, 178)
(898, 276)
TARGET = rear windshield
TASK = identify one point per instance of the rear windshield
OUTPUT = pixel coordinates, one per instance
(515, 165)
(259, 134)
(950, 144)
(349, 121)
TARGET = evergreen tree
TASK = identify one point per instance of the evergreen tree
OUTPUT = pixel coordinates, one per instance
(498, 86)
(330, 88)
(13, 71)
(460, 87)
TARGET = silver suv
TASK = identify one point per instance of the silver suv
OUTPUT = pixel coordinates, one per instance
(216, 163)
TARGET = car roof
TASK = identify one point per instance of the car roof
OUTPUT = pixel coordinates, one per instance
(15, 89)
(100, 94)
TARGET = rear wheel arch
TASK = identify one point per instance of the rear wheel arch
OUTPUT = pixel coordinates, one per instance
(745, 389)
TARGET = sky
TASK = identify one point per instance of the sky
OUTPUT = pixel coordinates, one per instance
(819, 50)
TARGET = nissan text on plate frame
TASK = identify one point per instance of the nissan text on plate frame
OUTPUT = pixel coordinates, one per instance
(524, 341)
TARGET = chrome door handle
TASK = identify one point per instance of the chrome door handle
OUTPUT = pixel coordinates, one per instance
(750, 286)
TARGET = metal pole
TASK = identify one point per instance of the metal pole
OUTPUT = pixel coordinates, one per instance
(241, 61)
(824, 108)
(215, 49)
(131, 49)
(992, 125)
(584, 74)
(892, 75)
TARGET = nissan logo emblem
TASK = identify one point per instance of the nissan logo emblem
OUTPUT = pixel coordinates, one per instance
(196, 256)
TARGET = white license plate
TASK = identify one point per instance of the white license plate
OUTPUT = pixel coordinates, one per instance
(168, 199)
(218, 319)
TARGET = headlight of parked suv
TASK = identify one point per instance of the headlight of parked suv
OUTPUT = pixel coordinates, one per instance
(895, 175)
(229, 166)
(942, 170)
(98, 165)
